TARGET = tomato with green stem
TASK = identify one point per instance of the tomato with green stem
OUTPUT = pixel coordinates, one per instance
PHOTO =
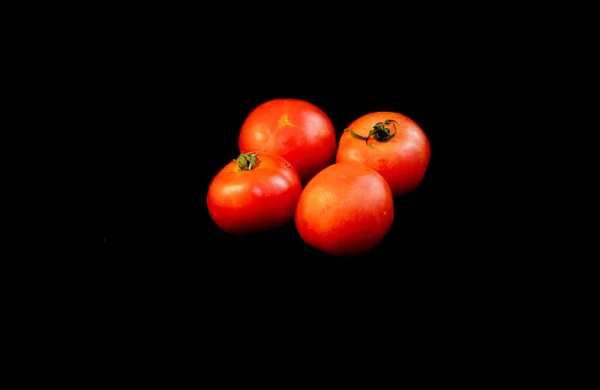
(392, 144)
(257, 191)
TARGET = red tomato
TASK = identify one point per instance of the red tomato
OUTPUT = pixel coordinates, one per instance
(390, 143)
(345, 210)
(256, 192)
(297, 130)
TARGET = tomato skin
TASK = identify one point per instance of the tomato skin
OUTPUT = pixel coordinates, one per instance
(402, 161)
(294, 129)
(263, 198)
(345, 210)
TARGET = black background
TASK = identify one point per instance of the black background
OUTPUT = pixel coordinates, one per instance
(170, 96)
(170, 117)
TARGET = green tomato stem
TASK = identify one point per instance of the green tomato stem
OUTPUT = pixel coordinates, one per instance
(380, 132)
(247, 161)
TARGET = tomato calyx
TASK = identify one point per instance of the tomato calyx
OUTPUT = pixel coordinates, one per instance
(247, 161)
(380, 132)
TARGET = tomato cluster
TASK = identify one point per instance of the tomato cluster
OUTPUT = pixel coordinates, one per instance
(289, 168)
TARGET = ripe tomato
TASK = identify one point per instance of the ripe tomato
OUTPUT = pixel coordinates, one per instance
(346, 209)
(390, 143)
(297, 130)
(256, 192)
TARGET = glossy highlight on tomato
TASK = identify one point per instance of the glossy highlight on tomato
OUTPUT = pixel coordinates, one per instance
(392, 144)
(345, 210)
(294, 129)
(256, 192)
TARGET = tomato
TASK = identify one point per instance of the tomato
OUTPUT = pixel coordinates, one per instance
(297, 130)
(256, 192)
(345, 210)
(390, 143)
